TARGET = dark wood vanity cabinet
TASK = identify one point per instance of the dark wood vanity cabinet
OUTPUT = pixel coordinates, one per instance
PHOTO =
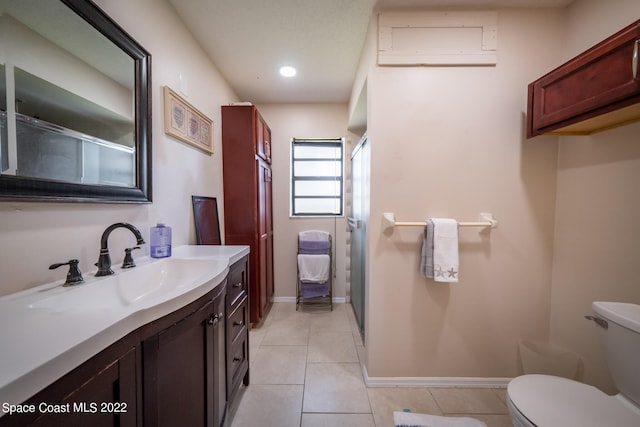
(102, 392)
(184, 368)
(594, 91)
(237, 332)
(246, 152)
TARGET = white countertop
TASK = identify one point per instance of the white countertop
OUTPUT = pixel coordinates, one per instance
(40, 345)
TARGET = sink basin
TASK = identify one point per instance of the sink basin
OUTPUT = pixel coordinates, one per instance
(53, 329)
(141, 286)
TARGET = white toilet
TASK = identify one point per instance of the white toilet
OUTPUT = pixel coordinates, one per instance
(548, 401)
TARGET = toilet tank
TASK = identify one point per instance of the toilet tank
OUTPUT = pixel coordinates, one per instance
(621, 343)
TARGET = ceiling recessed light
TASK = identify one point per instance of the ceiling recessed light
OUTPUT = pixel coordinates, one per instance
(287, 71)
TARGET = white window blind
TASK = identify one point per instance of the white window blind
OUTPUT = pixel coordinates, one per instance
(317, 177)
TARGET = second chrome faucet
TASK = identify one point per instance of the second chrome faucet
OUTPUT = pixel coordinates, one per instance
(104, 261)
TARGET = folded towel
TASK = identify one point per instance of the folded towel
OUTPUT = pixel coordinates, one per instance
(409, 419)
(313, 268)
(313, 290)
(426, 259)
(445, 249)
(314, 246)
(314, 235)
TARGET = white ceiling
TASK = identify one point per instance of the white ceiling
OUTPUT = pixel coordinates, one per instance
(249, 40)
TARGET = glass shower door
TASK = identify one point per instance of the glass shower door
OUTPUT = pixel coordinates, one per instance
(358, 227)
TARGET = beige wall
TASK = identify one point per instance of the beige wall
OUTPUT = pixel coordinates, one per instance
(301, 121)
(35, 235)
(448, 141)
(597, 238)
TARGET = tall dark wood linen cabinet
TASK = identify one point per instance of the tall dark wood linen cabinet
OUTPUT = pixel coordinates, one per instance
(246, 152)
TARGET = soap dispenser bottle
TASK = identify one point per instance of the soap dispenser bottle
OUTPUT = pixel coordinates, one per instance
(160, 241)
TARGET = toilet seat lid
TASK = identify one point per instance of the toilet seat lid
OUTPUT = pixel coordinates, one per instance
(549, 401)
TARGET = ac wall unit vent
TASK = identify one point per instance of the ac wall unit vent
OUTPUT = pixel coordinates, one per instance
(437, 38)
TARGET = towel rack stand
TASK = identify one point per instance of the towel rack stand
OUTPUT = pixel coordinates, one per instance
(389, 222)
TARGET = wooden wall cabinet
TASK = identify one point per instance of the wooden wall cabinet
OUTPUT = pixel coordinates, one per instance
(246, 151)
(597, 90)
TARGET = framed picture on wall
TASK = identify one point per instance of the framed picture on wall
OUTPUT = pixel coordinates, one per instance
(184, 122)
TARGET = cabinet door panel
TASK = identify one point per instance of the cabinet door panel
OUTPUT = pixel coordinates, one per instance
(217, 346)
(184, 370)
(263, 138)
(604, 80)
(266, 142)
(175, 367)
(263, 259)
(597, 82)
(107, 398)
(265, 272)
(270, 281)
(259, 135)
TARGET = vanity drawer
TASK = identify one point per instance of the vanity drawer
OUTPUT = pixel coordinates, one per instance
(237, 365)
(237, 322)
(237, 284)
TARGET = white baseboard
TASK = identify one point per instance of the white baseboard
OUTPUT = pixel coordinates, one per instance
(283, 299)
(434, 382)
(336, 300)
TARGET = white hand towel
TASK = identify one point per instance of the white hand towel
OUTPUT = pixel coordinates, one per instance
(313, 268)
(409, 419)
(445, 250)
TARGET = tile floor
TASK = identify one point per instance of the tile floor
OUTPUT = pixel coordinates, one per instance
(305, 372)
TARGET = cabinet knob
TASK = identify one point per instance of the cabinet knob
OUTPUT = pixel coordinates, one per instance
(237, 285)
(238, 323)
(213, 319)
(236, 359)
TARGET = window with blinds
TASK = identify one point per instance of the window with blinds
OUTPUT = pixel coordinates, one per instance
(317, 177)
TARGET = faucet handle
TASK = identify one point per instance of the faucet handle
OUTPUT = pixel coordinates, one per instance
(128, 259)
(74, 276)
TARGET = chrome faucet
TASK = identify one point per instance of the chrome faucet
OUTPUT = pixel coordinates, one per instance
(104, 261)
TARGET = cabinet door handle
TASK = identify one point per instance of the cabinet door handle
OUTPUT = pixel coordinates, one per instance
(238, 323)
(236, 359)
(237, 285)
(215, 318)
(634, 64)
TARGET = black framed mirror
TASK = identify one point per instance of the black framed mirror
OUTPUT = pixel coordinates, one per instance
(75, 113)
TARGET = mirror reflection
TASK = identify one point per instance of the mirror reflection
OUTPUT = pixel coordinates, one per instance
(68, 93)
